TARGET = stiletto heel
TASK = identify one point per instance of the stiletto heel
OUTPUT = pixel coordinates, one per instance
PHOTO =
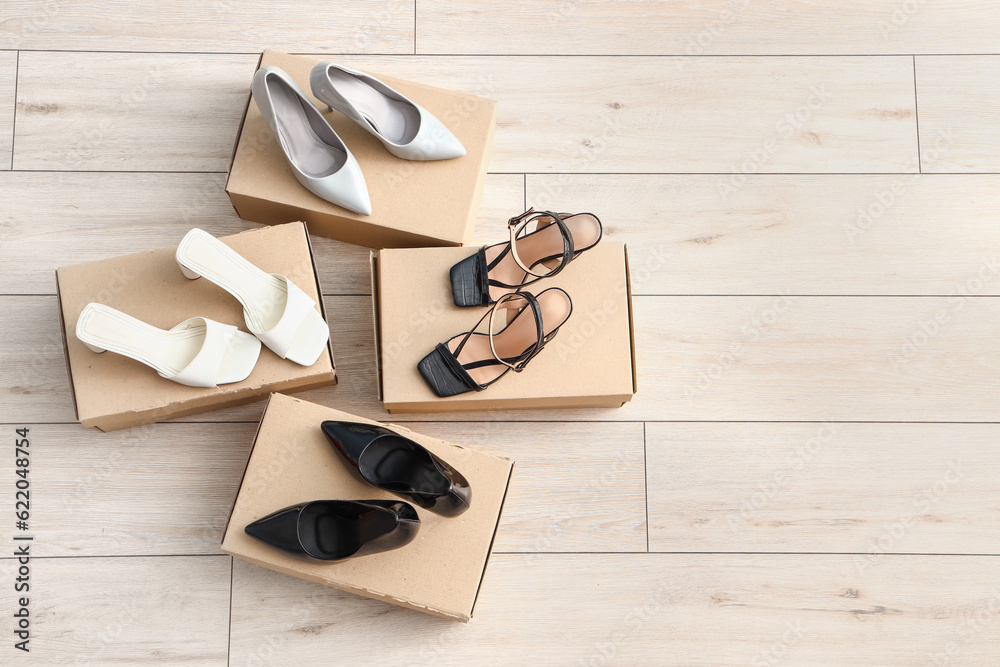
(188, 273)
(393, 463)
(405, 128)
(504, 268)
(334, 530)
(197, 352)
(474, 360)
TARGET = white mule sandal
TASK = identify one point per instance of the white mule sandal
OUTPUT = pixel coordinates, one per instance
(319, 158)
(276, 310)
(197, 352)
(406, 129)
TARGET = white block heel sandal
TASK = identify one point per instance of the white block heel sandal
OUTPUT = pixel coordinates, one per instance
(405, 128)
(276, 310)
(318, 157)
(197, 352)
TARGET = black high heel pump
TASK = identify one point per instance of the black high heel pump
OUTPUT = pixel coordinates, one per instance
(387, 460)
(334, 530)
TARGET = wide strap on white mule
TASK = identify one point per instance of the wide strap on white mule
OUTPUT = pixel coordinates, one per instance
(198, 352)
(276, 310)
(318, 157)
(404, 127)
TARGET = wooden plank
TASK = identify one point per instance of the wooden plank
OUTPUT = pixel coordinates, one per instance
(726, 115)
(144, 112)
(956, 98)
(783, 358)
(8, 85)
(179, 481)
(709, 27)
(776, 234)
(644, 609)
(576, 487)
(125, 611)
(341, 26)
(61, 218)
(865, 489)
(819, 358)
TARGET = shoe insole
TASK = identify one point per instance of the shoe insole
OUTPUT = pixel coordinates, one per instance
(400, 467)
(539, 245)
(300, 132)
(262, 295)
(394, 119)
(334, 535)
(168, 352)
(516, 338)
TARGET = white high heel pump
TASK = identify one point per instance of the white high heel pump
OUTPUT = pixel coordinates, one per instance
(319, 158)
(197, 352)
(276, 310)
(406, 129)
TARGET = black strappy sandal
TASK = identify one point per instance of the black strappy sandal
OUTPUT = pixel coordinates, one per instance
(526, 258)
(474, 360)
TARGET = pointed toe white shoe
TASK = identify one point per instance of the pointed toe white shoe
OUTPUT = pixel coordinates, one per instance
(197, 352)
(276, 310)
(406, 129)
(318, 157)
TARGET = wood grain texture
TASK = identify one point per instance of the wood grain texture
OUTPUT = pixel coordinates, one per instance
(709, 27)
(957, 98)
(129, 611)
(777, 234)
(635, 114)
(221, 26)
(576, 487)
(129, 112)
(8, 84)
(643, 609)
(53, 219)
(179, 481)
(817, 358)
(864, 489)
(794, 114)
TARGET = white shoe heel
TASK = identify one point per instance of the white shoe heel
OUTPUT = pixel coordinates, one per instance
(318, 157)
(94, 348)
(405, 128)
(197, 352)
(188, 273)
(276, 310)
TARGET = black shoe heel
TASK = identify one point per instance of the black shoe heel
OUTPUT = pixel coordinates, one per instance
(333, 530)
(393, 463)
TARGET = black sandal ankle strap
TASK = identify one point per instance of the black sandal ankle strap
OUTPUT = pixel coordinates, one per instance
(522, 359)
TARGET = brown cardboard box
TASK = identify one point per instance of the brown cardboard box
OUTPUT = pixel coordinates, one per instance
(113, 392)
(439, 572)
(590, 362)
(414, 204)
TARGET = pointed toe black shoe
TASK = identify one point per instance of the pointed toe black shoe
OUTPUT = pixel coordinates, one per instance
(333, 530)
(387, 460)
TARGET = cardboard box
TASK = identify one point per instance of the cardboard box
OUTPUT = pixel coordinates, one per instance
(112, 391)
(439, 572)
(414, 204)
(590, 362)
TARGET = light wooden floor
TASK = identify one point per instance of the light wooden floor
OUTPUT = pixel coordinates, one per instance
(811, 194)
